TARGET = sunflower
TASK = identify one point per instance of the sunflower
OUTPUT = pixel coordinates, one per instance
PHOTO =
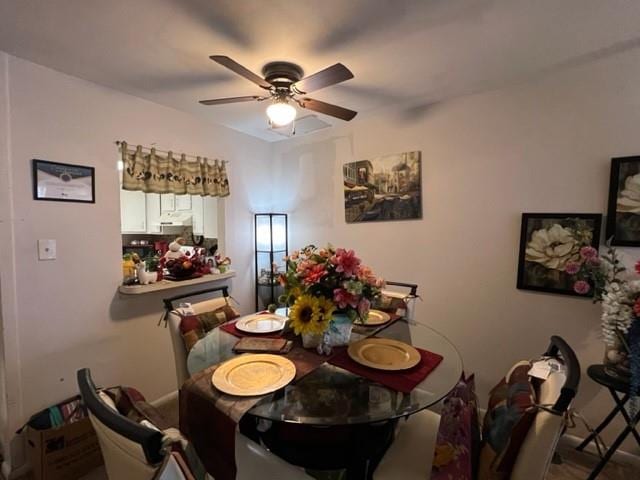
(327, 307)
(305, 316)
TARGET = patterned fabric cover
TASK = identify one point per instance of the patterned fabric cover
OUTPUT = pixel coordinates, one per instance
(458, 435)
(510, 413)
(132, 404)
(194, 327)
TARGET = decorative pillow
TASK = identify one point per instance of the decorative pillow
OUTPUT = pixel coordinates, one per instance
(458, 435)
(132, 404)
(510, 413)
(195, 326)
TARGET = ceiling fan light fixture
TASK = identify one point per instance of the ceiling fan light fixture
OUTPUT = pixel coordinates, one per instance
(281, 113)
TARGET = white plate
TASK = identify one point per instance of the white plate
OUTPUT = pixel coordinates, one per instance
(261, 323)
(249, 375)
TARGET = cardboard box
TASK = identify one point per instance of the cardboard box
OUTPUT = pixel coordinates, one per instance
(64, 453)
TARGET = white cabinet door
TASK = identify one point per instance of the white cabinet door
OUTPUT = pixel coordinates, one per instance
(153, 213)
(210, 216)
(133, 217)
(168, 202)
(197, 212)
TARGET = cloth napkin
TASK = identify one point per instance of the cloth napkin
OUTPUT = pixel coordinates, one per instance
(402, 381)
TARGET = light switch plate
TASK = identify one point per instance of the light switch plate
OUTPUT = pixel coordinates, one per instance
(46, 249)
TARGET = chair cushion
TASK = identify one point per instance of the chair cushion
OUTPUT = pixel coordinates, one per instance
(130, 403)
(194, 326)
(458, 438)
(391, 302)
(509, 416)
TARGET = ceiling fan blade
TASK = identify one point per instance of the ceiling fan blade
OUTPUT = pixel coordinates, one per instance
(327, 108)
(240, 70)
(222, 101)
(329, 76)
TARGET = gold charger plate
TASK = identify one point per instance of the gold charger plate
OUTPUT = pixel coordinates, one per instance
(261, 323)
(377, 317)
(384, 354)
(250, 375)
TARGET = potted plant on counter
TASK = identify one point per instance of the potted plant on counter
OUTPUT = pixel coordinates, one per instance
(327, 289)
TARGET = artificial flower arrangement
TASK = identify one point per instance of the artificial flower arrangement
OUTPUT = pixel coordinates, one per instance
(187, 265)
(619, 295)
(327, 284)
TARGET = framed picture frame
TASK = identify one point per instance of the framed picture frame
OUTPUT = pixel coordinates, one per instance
(548, 243)
(383, 188)
(63, 182)
(623, 212)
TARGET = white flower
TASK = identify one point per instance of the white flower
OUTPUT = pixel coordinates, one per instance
(553, 247)
(629, 197)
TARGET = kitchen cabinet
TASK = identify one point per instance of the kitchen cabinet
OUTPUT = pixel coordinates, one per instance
(205, 216)
(198, 214)
(153, 213)
(210, 217)
(133, 212)
(140, 212)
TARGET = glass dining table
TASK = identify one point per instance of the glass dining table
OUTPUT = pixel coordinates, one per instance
(332, 396)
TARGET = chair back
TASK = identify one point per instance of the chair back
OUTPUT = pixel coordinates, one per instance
(173, 322)
(555, 393)
(408, 292)
(130, 450)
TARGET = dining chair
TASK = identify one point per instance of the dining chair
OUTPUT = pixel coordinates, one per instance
(410, 457)
(172, 315)
(253, 461)
(130, 450)
(407, 292)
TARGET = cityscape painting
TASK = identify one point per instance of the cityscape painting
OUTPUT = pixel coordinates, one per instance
(383, 188)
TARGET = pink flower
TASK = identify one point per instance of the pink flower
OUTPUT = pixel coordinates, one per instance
(581, 287)
(314, 274)
(572, 268)
(363, 307)
(594, 262)
(344, 298)
(380, 282)
(588, 253)
(346, 262)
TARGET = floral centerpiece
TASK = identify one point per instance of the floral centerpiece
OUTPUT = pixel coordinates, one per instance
(187, 265)
(328, 289)
(619, 295)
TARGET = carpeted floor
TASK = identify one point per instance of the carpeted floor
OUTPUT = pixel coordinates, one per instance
(578, 465)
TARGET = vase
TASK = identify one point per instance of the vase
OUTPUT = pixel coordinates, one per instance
(312, 340)
(339, 331)
(337, 334)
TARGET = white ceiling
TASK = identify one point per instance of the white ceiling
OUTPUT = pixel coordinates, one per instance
(407, 52)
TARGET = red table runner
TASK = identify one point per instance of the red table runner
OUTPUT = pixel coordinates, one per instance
(402, 381)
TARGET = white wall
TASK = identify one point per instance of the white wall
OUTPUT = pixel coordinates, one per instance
(540, 147)
(68, 313)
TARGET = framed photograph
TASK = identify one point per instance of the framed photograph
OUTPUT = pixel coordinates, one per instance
(623, 214)
(383, 188)
(550, 245)
(62, 182)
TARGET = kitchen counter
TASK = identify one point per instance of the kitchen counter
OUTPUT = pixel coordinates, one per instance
(168, 284)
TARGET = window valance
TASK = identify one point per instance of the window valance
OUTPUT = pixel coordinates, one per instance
(153, 171)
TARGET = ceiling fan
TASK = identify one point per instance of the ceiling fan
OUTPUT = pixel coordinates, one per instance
(285, 84)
